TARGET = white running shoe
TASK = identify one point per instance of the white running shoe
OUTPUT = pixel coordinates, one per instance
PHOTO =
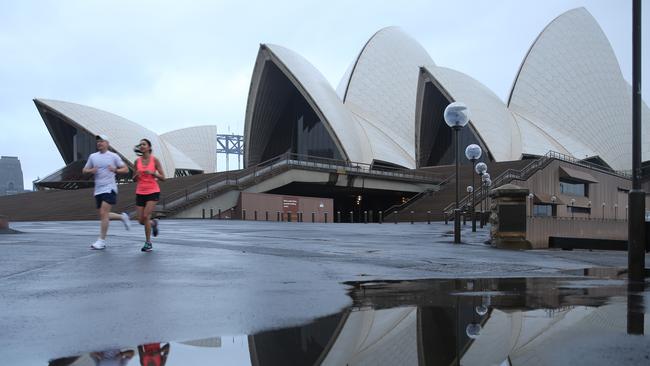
(99, 244)
(126, 220)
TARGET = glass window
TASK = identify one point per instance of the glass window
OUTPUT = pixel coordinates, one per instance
(574, 188)
(574, 209)
(542, 210)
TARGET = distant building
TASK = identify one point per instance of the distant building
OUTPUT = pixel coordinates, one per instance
(11, 176)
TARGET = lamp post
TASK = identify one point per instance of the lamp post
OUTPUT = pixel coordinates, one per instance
(473, 153)
(531, 196)
(488, 183)
(604, 204)
(553, 209)
(484, 178)
(615, 211)
(573, 202)
(480, 169)
(456, 116)
(589, 205)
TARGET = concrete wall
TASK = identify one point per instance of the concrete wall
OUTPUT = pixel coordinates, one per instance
(538, 229)
(610, 189)
(274, 203)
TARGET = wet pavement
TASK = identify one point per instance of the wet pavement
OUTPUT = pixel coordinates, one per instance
(268, 293)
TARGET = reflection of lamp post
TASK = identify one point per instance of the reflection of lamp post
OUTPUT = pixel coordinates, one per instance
(473, 153)
(573, 202)
(530, 197)
(456, 116)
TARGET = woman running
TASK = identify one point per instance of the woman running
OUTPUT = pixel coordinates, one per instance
(148, 172)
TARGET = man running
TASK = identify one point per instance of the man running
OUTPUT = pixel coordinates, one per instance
(104, 165)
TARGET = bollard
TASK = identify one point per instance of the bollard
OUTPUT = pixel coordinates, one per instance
(278, 216)
(313, 217)
(203, 213)
(381, 218)
(288, 216)
(464, 219)
(243, 215)
(211, 214)
(446, 218)
(395, 214)
(411, 217)
(338, 216)
(428, 217)
(325, 214)
(300, 216)
(365, 217)
(219, 214)
(255, 215)
(267, 215)
(232, 213)
(351, 217)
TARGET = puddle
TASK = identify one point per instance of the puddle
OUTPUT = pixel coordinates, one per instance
(515, 321)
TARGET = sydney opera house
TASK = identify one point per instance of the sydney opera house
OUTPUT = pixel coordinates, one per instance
(569, 97)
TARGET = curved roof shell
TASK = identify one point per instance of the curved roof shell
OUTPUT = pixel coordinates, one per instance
(570, 86)
(198, 143)
(316, 90)
(381, 89)
(123, 134)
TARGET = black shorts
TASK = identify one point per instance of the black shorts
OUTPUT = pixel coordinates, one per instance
(142, 199)
(110, 198)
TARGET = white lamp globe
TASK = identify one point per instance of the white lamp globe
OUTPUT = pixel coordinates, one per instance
(473, 152)
(456, 115)
(480, 168)
(485, 177)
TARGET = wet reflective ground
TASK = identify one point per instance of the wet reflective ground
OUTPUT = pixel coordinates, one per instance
(596, 320)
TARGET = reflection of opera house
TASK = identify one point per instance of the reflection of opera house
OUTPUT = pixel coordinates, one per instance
(380, 139)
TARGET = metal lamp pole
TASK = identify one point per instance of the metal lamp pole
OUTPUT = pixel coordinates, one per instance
(636, 197)
(473, 153)
(480, 169)
(456, 116)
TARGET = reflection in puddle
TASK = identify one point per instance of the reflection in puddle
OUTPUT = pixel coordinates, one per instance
(435, 322)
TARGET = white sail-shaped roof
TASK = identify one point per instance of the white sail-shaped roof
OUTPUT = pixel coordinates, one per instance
(570, 83)
(198, 143)
(344, 130)
(382, 87)
(123, 134)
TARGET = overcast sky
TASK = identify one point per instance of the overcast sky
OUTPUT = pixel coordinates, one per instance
(172, 64)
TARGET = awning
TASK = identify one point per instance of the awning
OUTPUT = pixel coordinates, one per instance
(545, 199)
(577, 175)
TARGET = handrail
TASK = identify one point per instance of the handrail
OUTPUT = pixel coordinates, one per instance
(284, 161)
(527, 171)
(402, 206)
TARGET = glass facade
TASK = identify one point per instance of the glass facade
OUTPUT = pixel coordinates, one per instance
(436, 145)
(299, 130)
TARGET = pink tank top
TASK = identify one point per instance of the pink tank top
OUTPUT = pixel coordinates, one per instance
(147, 183)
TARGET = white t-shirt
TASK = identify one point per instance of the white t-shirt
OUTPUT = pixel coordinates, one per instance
(104, 178)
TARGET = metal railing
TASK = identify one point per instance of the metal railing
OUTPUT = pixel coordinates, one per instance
(526, 172)
(252, 175)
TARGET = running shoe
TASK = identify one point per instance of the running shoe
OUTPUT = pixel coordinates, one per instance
(98, 245)
(154, 227)
(147, 247)
(126, 220)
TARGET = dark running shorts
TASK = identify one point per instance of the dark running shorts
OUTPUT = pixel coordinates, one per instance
(110, 198)
(142, 199)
